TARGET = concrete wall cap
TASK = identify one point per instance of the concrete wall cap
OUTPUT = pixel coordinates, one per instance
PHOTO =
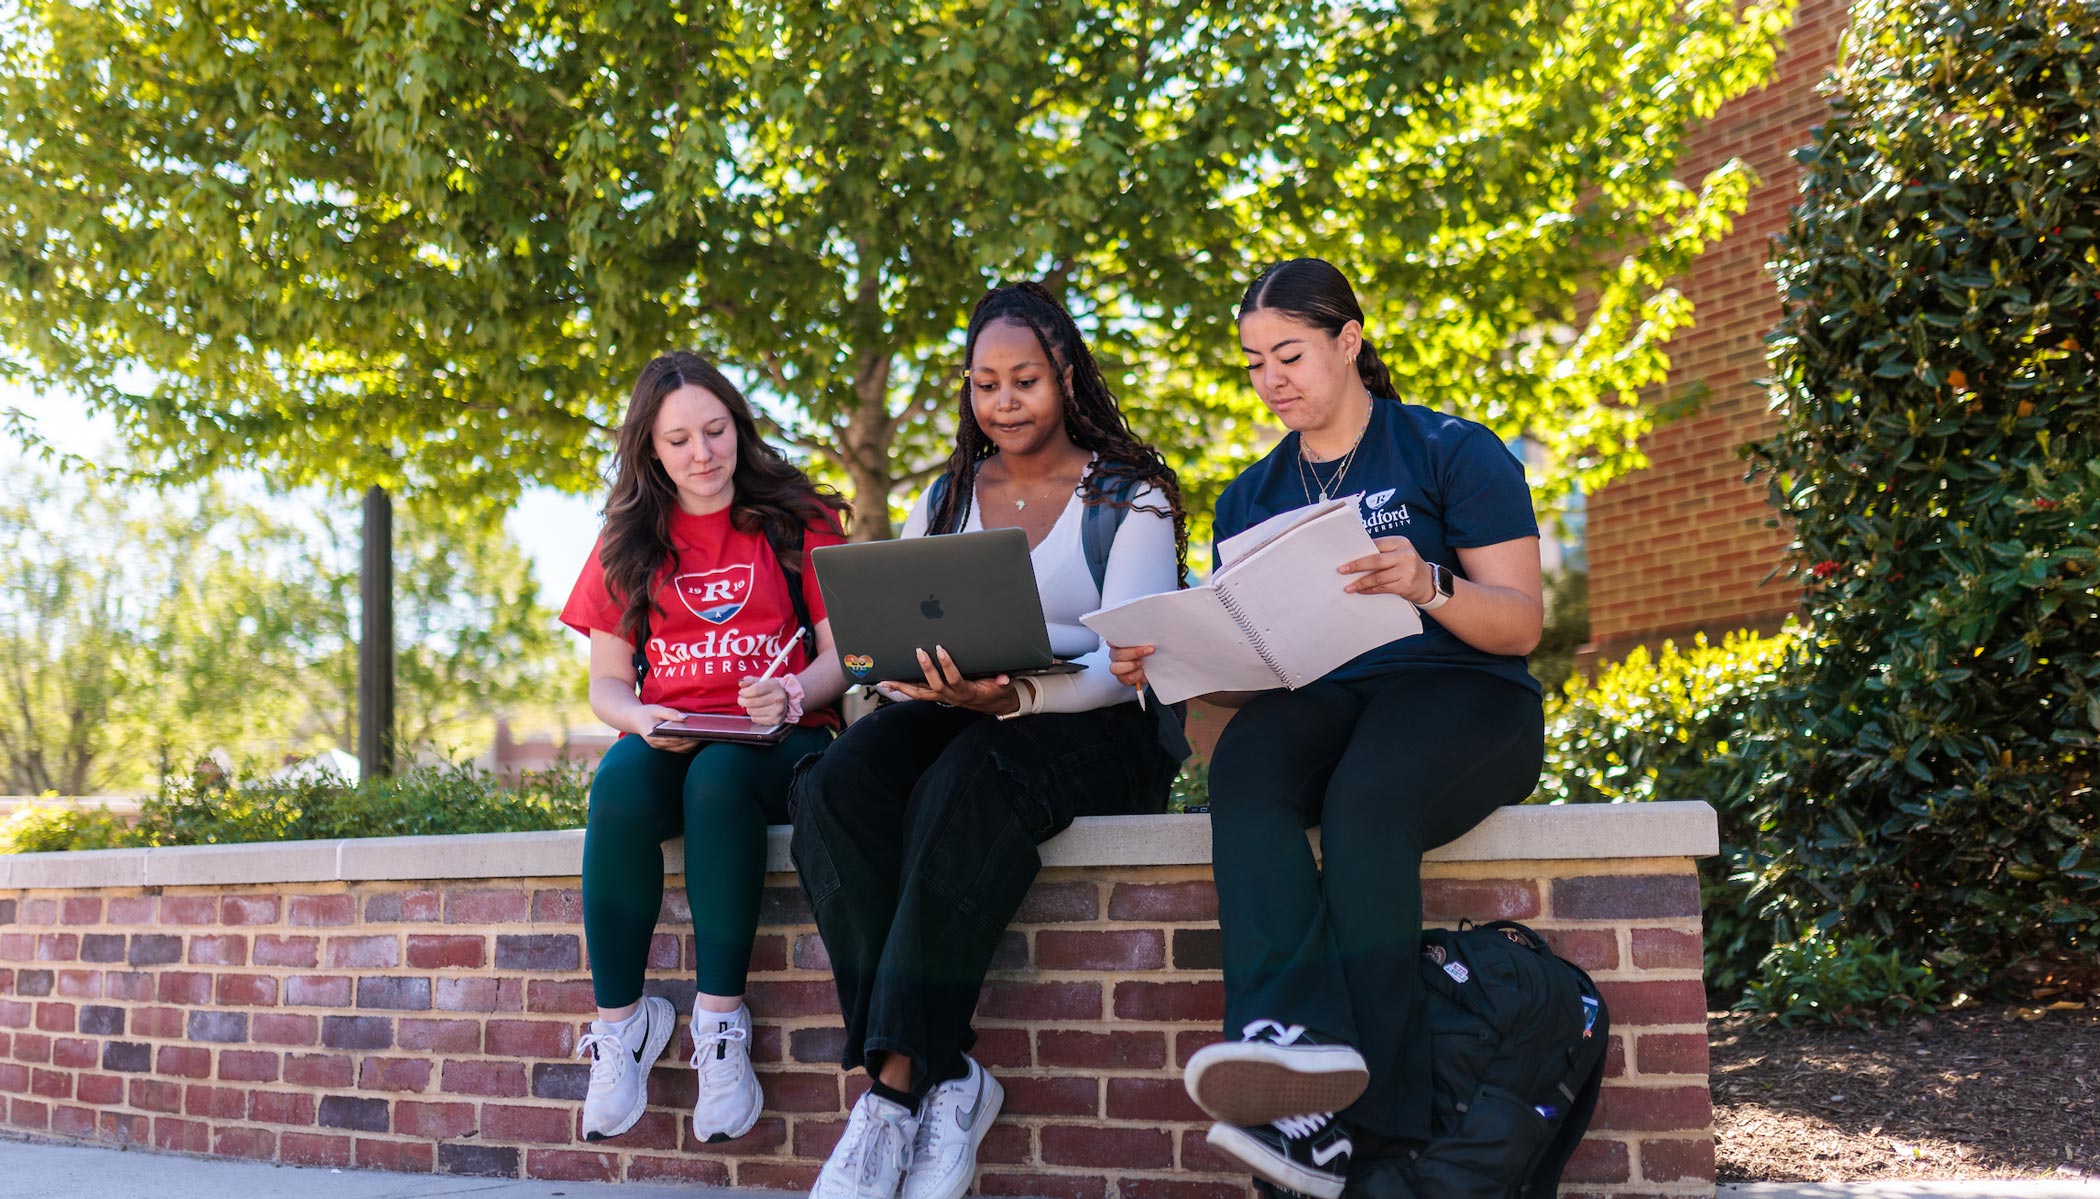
(1675, 829)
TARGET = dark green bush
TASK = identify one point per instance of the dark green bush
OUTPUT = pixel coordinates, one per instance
(1830, 980)
(1926, 773)
(428, 800)
(1667, 726)
(49, 826)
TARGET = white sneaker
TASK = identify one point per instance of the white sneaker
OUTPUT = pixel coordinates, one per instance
(620, 1060)
(952, 1122)
(729, 1098)
(870, 1160)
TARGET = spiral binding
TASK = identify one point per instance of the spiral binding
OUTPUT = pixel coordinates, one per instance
(1239, 618)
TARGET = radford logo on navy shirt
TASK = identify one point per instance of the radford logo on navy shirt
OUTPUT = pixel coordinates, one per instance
(716, 595)
(1376, 516)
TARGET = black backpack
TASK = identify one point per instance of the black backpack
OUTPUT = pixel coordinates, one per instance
(1518, 1038)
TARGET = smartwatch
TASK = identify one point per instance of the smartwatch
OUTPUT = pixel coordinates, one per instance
(1445, 581)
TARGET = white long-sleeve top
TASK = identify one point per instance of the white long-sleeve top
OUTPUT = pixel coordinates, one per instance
(1141, 562)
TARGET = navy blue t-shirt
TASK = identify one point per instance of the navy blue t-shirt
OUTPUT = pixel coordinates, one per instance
(1443, 483)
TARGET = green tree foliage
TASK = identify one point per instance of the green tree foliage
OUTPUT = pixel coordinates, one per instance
(1928, 767)
(424, 246)
(138, 626)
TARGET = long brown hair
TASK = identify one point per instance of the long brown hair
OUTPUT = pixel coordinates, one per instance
(1092, 419)
(771, 493)
(1313, 291)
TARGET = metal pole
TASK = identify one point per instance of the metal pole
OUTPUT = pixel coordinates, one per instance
(375, 648)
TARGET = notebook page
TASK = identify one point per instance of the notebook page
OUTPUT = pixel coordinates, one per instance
(1247, 541)
(1198, 648)
(1290, 594)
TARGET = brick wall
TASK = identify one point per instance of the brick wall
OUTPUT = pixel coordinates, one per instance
(421, 1026)
(1683, 545)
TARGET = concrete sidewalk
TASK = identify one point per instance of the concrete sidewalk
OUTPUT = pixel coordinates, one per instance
(41, 1170)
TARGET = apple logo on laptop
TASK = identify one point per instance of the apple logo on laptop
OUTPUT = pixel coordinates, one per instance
(931, 608)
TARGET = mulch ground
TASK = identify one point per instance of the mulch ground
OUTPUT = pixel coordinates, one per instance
(2001, 1092)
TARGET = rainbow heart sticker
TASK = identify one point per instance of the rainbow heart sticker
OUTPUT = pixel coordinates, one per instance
(858, 665)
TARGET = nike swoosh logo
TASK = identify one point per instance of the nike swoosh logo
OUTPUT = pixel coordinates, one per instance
(1322, 1156)
(968, 1120)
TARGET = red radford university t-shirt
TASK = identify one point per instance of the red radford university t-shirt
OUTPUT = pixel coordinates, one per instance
(722, 613)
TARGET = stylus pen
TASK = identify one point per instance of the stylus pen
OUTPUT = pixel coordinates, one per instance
(782, 656)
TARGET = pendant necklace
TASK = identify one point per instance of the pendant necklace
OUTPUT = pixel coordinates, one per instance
(1334, 484)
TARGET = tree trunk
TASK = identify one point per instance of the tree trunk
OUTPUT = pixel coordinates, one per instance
(865, 442)
(375, 649)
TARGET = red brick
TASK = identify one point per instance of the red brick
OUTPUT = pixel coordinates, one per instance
(1479, 899)
(1677, 1160)
(768, 954)
(17, 947)
(1672, 1053)
(1152, 1099)
(535, 1125)
(329, 1071)
(1626, 897)
(1069, 949)
(1039, 1001)
(1204, 1001)
(403, 907)
(434, 1121)
(1197, 1155)
(254, 1144)
(529, 1038)
(271, 950)
(183, 1061)
(278, 1028)
(767, 1138)
(564, 906)
(572, 1165)
(157, 1022)
(564, 997)
(1599, 1161)
(181, 1136)
(121, 1128)
(133, 909)
(51, 1084)
(469, 995)
(801, 1092)
(15, 1015)
(247, 990)
(393, 1074)
(427, 952)
(318, 990)
(784, 1000)
(363, 953)
(101, 1090)
(73, 1122)
(776, 1176)
(321, 911)
(1042, 1186)
(399, 1157)
(156, 1095)
(1084, 1145)
(690, 1170)
(658, 1130)
(1653, 1109)
(1007, 1144)
(664, 954)
(810, 953)
(504, 1079)
(35, 1047)
(313, 1149)
(1169, 1188)
(58, 947)
(1666, 949)
(250, 909)
(79, 984)
(14, 1078)
(57, 1017)
(999, 1048)
(1615, 1057)
(1187, 1043)
(817, 1138)
(1593, 949)
(1058, 1096)
(223, 949)
(1636, 1003)
(184, 986)
(25, 1113)
(248, 1065)
(189, 909)
(483, 906)
(440, 1036)
(76, 1053)
(80, 909)
(1165, 903)
(215, 1103)
(1060, 903)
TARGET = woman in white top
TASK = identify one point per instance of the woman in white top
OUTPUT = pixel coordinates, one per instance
(916, 832)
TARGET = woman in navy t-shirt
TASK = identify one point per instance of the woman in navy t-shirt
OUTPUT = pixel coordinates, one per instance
(1393, 753)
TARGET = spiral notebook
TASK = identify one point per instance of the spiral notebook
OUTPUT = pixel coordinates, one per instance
(1274, 615)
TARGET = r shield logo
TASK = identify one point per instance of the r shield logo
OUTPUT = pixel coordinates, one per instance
(931, 608)
(1375, 502)
(716, 596)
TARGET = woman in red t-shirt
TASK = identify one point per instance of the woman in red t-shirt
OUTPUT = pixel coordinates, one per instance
(704, 555)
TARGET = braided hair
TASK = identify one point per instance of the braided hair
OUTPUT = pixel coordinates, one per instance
(1091, 418)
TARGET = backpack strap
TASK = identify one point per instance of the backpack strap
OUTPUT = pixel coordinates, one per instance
(934, 492)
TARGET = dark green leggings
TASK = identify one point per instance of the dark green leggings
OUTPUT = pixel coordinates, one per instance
(640, 798)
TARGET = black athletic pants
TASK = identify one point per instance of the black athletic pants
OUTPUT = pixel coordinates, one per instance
(1390, 768)
(915, 837)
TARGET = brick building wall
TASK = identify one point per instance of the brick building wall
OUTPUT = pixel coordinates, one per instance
(1684, 546)
(430, 1026)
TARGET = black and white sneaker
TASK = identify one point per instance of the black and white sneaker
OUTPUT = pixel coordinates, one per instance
(1308, 1155)
(1274, 1070)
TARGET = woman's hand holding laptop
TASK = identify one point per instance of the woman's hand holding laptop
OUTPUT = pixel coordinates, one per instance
(945, 684)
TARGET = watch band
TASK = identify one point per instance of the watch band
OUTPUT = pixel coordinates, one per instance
(1030, 698)
(1444, 583)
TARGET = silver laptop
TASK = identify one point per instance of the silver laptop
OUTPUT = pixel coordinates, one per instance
(973, 594)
